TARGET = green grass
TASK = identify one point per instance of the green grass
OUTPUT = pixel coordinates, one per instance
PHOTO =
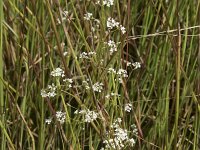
(164, 93)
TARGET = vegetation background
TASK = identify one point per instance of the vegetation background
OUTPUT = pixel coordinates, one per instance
(162, 35)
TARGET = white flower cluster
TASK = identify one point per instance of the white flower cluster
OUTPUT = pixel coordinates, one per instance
(108, 3)
(136, 65)
(112, 45)
(60, 116)
(48, 121)
(88, 16)
(89, 116)
(123, 29)
(128, 107)
(87, 55)
(111, 70)
(111, 95)
(65, 53)
(120, 137)
(63, 17)
(111, 23)
(121, 73)
(49, 92)
(97, 87)
(69, 82)
(135, 130)
(58, 72)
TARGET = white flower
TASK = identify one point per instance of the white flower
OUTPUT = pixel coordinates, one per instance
(127, 62)
(128, 107)
(69, 82)
(122, 73)
(87, 55)
(131, 142)
(120, 80)
(122, 29)
(76, 112)
(89, 116)
(120, 137)
(121, 134)
(113, 46)
(111, 70)
(49, 92)
(84, 55)
(48, 121)
(97, 87)
(87, 16)
(64, 17)
(111, 23)
(65, 13)
(118, 120)
(108, 3)
(111, 94)
(60, 116)
(65, 53)
(44, 93)
(92, 53)
(58, 72)
(137, 65)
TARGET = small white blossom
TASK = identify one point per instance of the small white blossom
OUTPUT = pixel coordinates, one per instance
(69, 82)
(122, 73)
(84, 55)
(65, 13)
(92, 53)
(108, 3)
(87, 55)
(48, 121)
(65, 53)
(137, 65)
(112, 46)
(120, 137)
(60, 116)
(120, 80)
(44, 93)
(111, 23)
(76, 112)
(89, 116)
(112, 94)
(127, 62)
(88, 16)
(128, 107)
(111, 70)
(121, 134)
(107, 96)
(123, 29)
(63, 17)
(49, 92)
(131, 142)
(58, 72)
(97, 87)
